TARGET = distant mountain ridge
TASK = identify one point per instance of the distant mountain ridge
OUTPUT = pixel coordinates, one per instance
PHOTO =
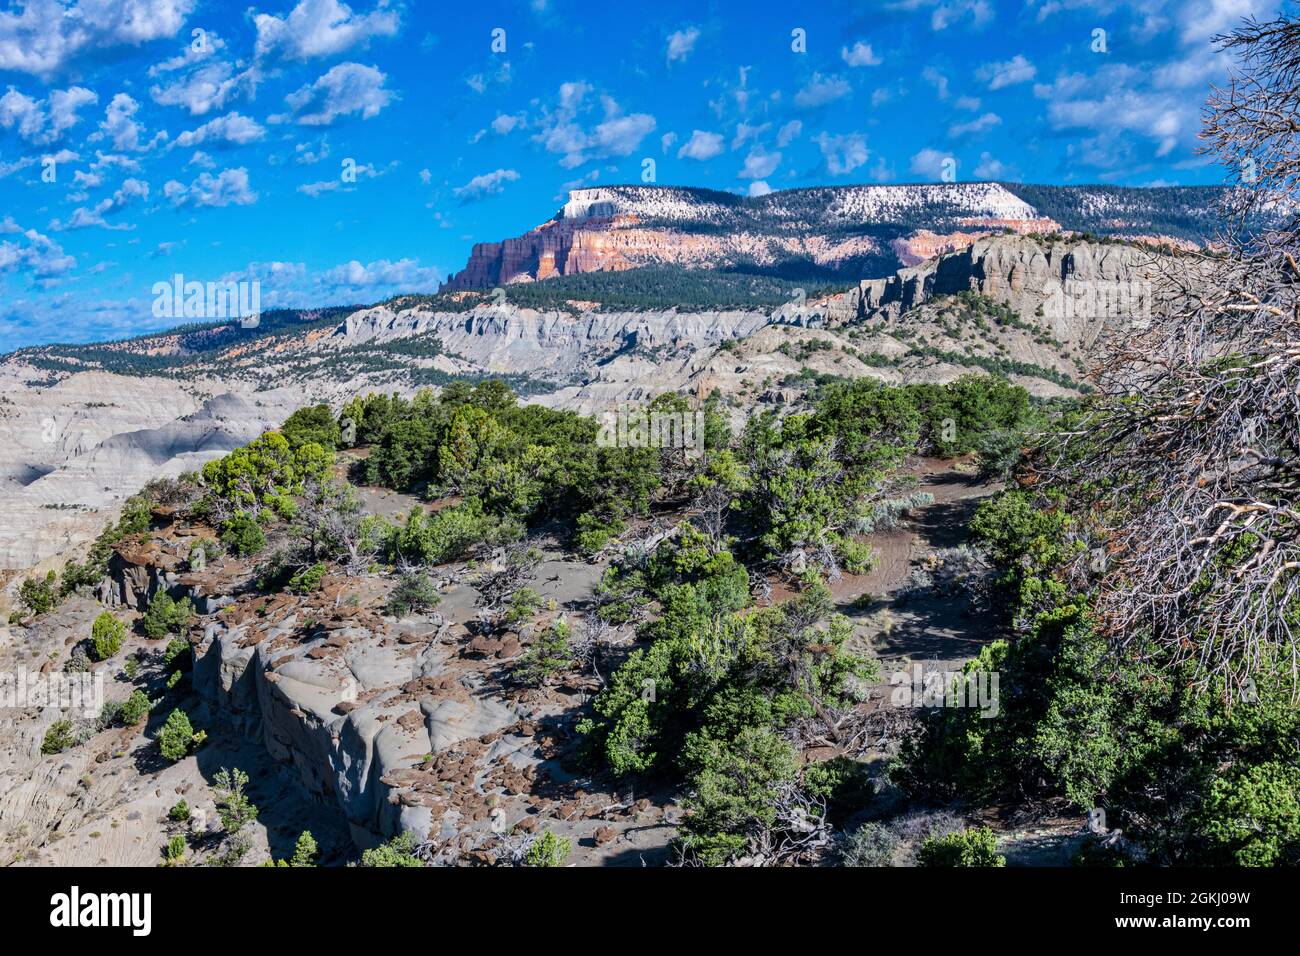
(824, 233)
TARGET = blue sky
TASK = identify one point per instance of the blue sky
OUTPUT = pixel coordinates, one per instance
(342, 153)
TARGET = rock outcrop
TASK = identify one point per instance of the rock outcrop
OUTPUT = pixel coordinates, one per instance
(1071, 286)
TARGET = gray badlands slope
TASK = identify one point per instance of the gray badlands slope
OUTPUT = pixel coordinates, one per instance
(72, 452)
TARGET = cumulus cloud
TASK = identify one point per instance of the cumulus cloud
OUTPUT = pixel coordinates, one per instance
(821, 90)
(131, 191)
(1114, 100)
(506, 123)
(563, 131)
(702, 145)
(199, 80)
(45, 37)
(486, 184)
(759, 188)
(407, 274)
(32, 253)
(1008, 73)
(347, 89)
(929, 163)
(232, 128)
(991, 168)
(759, 164)
(41, 122)
(859, 54)
(316, 28)
(120, 128)
(788, 133)
(228, 188)
(843, 153)
(291, 285)
(681, 43)
(981, 125)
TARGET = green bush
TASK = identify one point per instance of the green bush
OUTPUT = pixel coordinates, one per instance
(39, 595)
(547, 850)
(58, 738)
(135, 709)
(304, 850)
(179, 813)
(871, 844)
(546, 656)
(177, 736)
(308, 580)
(174, 851)
(399, 851)
(243, 535)
(413, 593)
(106, 635)
(313, 423)
(167, 616)
(968, 848)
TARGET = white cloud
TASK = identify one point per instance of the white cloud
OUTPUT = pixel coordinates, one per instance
(18, 165)
(821, 90)
(232, 128)
(702, 145)
(407, 274)
(309, 154)
(859, 54)
(120, 127)
(788, 133)
(745, 132)
(948, 12)
(681, 43)
(346, 89)
(844, 153)
(316, 28)
(228, 188)
(561, 131)
(42, 122)
(47, 36)
(198, 79)
(759, 188)
(32, 253)
(991, 168)
(1008, 73)
(486, 184)
(981, 125)
(506, 123)
(929, 163)
(1114, 100)
(128, 193)
(937, 80)
(759, 164)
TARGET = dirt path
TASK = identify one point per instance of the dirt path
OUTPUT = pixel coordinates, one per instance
(901, 627)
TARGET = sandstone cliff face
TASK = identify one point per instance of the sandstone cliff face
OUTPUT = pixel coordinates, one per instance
(1079, 286)
(617, 228)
